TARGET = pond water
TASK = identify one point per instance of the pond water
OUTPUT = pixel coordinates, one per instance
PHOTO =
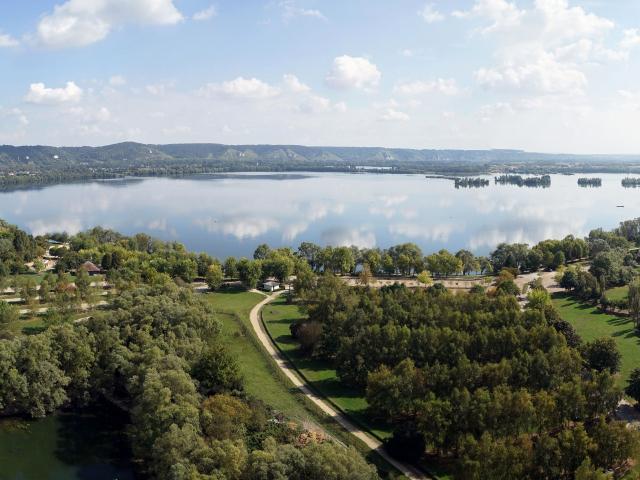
(231, 214)
(66, 446)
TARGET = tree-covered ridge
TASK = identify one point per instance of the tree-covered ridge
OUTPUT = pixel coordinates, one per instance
(43, 164)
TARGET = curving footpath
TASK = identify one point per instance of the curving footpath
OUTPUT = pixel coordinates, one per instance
(372, 442)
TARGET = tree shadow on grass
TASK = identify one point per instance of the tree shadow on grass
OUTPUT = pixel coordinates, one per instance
(33, 330)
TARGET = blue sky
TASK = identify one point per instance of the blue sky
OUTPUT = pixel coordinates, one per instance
(543, 75)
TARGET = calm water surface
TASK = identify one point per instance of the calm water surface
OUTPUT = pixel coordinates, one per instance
(230, 215)
(79, 446)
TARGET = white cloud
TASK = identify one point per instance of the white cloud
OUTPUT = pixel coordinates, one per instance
(407, 52)
(430, 15)
(541, 74)
(353, 72)
(78, 23)
(16, 113)
(241, 88)
(294, 84)
(392, 115)
(631, 39)
(206, 14)
(39, 93)
(441, 85)
(7, 40)
(117, 81)
(564, 22)
(290, 10)
(502, 14)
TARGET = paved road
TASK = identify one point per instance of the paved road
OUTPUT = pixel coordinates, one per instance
(339, 417)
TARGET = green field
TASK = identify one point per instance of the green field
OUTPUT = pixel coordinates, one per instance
(233, 309)
(591, 323)
(617, 293)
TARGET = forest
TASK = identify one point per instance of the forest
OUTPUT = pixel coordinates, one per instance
(469, 378)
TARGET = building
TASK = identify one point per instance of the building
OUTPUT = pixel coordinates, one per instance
(90, 268)
(270, 286)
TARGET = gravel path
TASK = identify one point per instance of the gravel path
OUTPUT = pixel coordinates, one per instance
(339, 417)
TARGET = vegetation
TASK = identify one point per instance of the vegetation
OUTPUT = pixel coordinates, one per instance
(471, 182)
(590, 182)
(631, 182)
(544, 181)
(30, 165)
(591, 324)
(470, 377)
(158, 353)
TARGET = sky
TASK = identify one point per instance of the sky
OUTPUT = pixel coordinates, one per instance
(538, 75)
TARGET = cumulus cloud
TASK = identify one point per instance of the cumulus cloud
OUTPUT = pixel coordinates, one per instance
(441, 85)
(206, 14)
(7, 40)
(39, 93)
(501, 13)
(291, 10)
(78, 23)
(631, 39)
(241, 88)
(541, 74)
(429, 14)
(294, 84)
(353, 72)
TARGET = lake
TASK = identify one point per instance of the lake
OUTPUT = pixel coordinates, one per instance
(228, 215)
(66, 446)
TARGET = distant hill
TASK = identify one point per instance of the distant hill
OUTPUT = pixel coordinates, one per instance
(136, 154)
(28, 165)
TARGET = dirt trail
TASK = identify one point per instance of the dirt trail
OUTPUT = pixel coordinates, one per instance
(339, 417)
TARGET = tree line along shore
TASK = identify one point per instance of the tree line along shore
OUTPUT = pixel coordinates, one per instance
(470, 382)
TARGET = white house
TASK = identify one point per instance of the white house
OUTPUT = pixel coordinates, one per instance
(270, 286)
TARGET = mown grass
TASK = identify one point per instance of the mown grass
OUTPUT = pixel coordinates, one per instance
(591, 323)
(617, 293)
(259, 381)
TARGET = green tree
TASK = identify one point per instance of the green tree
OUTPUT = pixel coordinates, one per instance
(261, 252)
(8, 314)
(231, 267)
(633, 384)
(634, 301)
(424, 278)
(602, 354)
(469, 262)
(214, 276)
(216, 371)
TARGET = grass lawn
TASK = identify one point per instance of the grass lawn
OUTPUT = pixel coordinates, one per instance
(618, 293)
(278, 315)
(590, 323)
(233, 308)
